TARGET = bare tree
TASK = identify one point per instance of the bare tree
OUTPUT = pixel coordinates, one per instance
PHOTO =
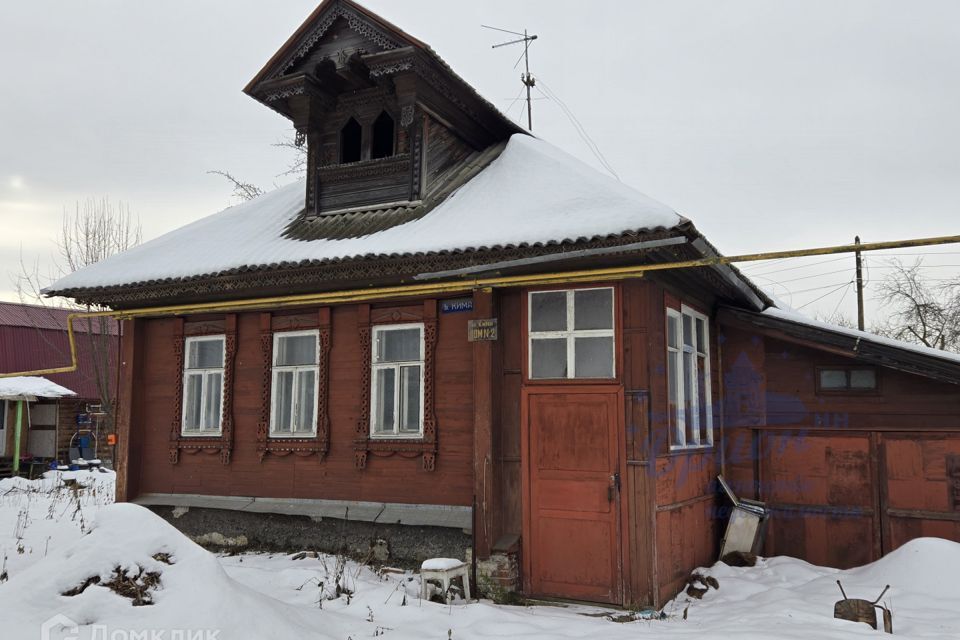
(94, 231)
(921, 311)
(836, 318)
(243, 190)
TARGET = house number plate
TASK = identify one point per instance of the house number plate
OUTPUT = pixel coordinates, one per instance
(480, 330)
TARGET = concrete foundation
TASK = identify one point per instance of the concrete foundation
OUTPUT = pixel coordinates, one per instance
(404, 546)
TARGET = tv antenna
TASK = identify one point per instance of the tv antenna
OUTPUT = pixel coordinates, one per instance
(526, 78)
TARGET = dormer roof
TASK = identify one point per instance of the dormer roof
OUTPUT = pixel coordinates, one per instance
(316, 62)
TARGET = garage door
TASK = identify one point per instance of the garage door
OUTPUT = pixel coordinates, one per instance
(844, 499)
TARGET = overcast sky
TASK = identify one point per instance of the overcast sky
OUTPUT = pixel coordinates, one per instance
(772, 124)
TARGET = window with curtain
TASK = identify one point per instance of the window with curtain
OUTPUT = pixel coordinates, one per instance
(296, 361)
(397, 381)
(203, 385)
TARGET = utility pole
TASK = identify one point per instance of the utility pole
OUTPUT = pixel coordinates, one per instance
(859, 255)
(526, 78)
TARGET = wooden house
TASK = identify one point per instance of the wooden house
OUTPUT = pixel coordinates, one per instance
(452, 336)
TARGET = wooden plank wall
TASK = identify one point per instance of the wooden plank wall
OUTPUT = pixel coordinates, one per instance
(389, 479)
(639, 476)
(921, 487)
(850, 476)
(507, 435)
(685, 498)
(671, 495)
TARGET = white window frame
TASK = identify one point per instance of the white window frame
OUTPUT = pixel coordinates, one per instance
(296, 369)
(204, 387)
(703, 434)
(571, 334)
(396, 366)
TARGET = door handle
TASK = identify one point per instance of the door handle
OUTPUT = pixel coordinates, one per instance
(613, 490)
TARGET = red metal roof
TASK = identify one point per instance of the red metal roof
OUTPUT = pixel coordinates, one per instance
(34, 337)
(41, 317)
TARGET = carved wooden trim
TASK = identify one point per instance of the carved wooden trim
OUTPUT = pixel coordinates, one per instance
(223, 443)
(362, 437)
(313, 176)
(425, 69)
(417, 133)
(304, 276)
(396, 315)
(315, 445)
(357, 23)
(373, 168)
(426, 447)
(177, 424)
(229, 370)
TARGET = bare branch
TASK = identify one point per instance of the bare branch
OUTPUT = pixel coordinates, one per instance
(242, 190)
(297, 166)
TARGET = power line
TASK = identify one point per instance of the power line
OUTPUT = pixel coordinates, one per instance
(816, 275)
(514, 101)
(802, 266)
(826, 286)
(842, 298)
(845, 284)
(580, 129)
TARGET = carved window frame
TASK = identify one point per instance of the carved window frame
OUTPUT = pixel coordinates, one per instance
(396, 433)
(210, 444)
(205, 389)
(295, 370)
(395, 130)
(426, 445)
(317, 443)
(366, 114)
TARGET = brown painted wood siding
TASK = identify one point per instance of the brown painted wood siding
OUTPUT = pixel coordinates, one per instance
(670, 498)
(507, 424)
(388, 479)
(639, 475)
(850, 476)
(685, 499)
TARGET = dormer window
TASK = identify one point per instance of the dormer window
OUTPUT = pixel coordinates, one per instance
(383, 137)
(351, 137)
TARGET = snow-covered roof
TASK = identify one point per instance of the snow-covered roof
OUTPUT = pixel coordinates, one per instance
(29, 387)
(794, 316)
(532, 193)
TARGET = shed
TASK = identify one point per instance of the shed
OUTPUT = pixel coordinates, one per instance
(18, 394)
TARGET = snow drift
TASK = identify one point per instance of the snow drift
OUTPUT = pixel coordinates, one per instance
(193, 591)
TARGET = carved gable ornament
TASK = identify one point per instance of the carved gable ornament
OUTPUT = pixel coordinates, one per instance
(324, 21)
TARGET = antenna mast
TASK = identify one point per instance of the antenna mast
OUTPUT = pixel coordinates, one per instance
(526, 78)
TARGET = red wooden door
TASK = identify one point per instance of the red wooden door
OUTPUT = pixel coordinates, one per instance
(572, 518)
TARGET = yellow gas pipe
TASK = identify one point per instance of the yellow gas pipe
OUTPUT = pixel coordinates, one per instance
(412, 290)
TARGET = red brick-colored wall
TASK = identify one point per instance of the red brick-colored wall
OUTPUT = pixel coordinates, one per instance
(388, 479)
(849, 476)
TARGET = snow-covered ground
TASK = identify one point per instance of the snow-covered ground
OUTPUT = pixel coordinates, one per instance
(61, 545)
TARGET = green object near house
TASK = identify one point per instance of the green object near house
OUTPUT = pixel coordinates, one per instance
(18, 424)
(24, 389)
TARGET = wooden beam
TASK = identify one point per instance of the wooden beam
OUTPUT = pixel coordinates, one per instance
(125, 454)
(483, 402)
